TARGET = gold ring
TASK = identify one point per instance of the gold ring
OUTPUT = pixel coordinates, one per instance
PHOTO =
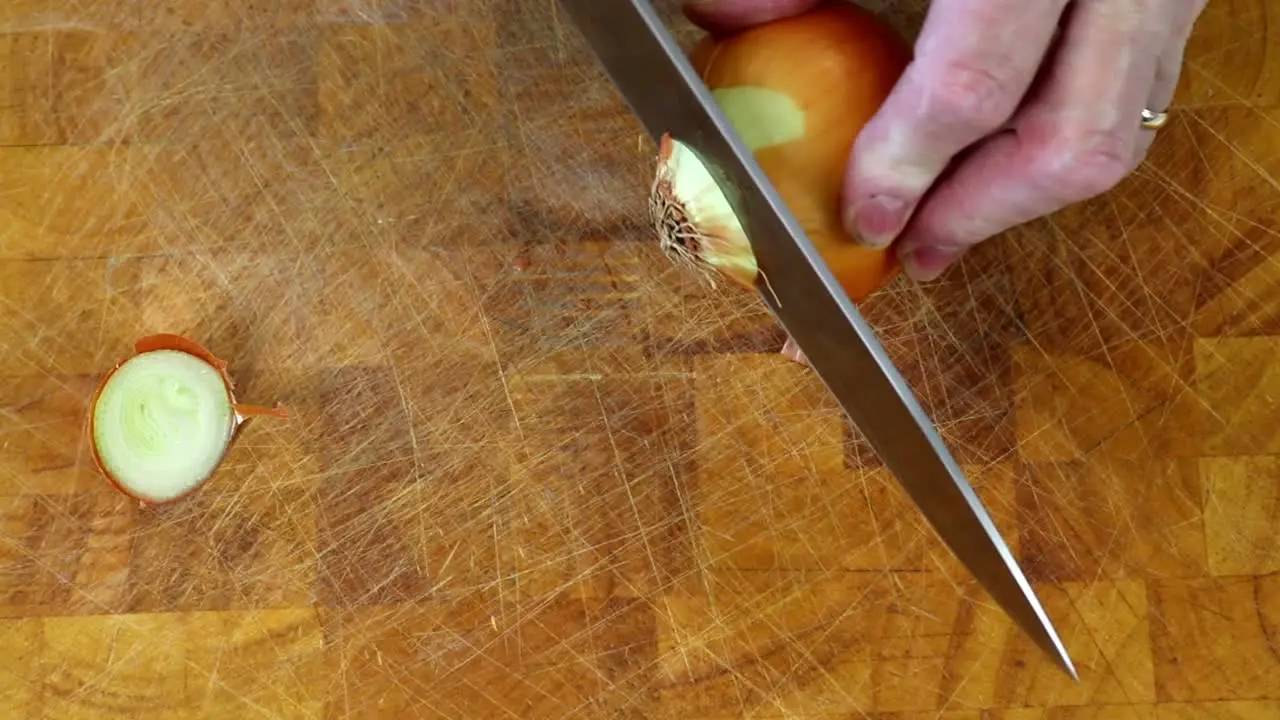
(1152, 120)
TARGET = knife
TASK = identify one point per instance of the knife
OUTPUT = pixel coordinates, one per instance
(662, 89)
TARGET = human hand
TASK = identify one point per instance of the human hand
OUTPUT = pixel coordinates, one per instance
(1010, 110)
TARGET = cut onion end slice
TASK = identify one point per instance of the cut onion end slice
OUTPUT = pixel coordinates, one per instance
(694, 221)
(162, 421)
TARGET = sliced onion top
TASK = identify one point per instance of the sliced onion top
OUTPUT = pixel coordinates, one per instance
(162, 424)
(163, 420)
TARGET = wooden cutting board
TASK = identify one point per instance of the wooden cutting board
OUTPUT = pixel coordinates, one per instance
(532, 469)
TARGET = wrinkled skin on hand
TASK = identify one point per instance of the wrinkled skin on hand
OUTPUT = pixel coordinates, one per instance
(1011, 110)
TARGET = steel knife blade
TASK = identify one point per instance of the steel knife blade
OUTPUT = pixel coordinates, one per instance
(654, 77)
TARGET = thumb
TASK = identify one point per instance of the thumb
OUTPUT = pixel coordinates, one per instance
(729, 15)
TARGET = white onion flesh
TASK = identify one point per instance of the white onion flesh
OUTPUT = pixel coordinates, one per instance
(162, 424)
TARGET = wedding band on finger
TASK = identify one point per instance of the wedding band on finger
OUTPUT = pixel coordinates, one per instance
(1152, 120)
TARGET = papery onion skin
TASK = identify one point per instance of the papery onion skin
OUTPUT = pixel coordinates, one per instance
(834, 66)
(172, 342)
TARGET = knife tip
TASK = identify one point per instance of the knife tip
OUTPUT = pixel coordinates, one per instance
(1070, 669)
(1063, 661)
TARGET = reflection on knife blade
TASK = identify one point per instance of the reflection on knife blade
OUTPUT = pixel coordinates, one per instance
(668, 96)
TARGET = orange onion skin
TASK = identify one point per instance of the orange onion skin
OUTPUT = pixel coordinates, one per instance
(838, 63)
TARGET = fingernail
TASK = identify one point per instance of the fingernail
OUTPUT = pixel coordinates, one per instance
(927, 262)
(877, 220)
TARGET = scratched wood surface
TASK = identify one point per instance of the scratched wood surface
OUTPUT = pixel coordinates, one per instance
(534, 471)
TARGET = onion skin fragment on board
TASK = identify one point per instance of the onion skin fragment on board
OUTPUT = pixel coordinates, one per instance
(797, 91)
(171, 404)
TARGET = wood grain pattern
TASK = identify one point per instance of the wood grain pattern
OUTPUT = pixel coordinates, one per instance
(536, 471)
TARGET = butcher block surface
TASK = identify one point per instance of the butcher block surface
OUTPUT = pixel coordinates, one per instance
(534, 470)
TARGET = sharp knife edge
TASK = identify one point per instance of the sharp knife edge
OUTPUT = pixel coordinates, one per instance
(850, 360)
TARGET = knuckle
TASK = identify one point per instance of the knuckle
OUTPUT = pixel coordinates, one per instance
(1081, 166)
(970, 95)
